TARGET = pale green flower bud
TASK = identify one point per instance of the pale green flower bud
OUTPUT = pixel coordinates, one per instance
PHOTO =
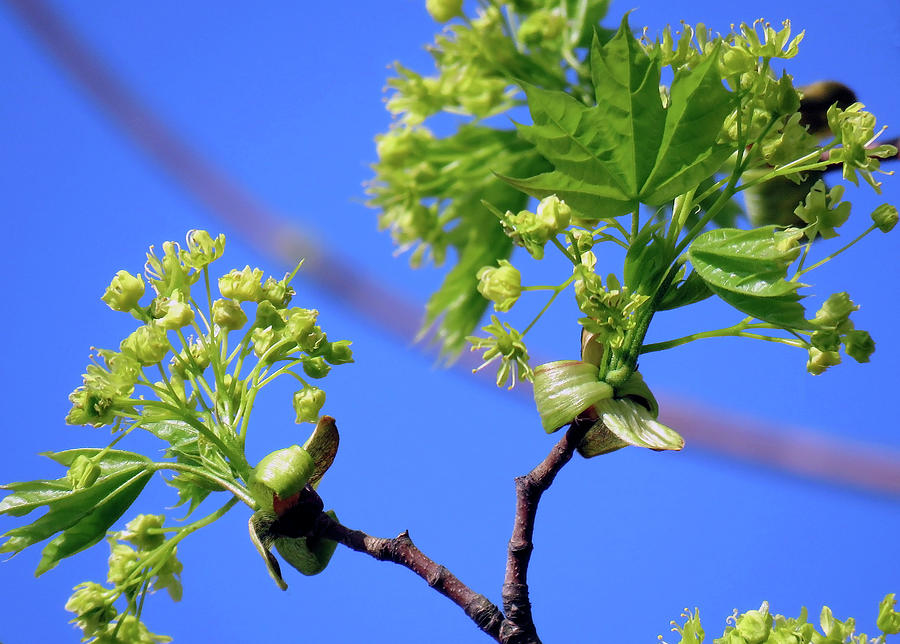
(228, 314)
(124, 292)
(501, 285)
(268, 315)
(122, 561)
(885, 217)
(339, 352)
(137, 531)
(263, 339)
(444, 10)
(242, 285)
(819, 360)
(553, 213)
(859, 345)
(82, 472)
(888, 620)
(754, 625)
(92, 605)
(307, 403)
(836, 310)
(278, 293)
(300, 322)
(147, 344)
(177, 314)
(316, 367)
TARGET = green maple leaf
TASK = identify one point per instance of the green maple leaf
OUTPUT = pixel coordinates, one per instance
(628, 148)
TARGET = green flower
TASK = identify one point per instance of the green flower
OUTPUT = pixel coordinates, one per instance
(138, 531)
(316, 367)
(93, 607)
(820, 360)
(444, 10)
(859, 345)
(823, 212)
(202, 249)
(243, 285)
(307, 403)
(176, 314)
(228, 314)
(129, 630)
(123, 559)
(501, 285)
(505, 344)
(148, 344)
(276, 292)
(885, 217)
(888, 619)
(339, 352)
(169, 274)
(124, 292)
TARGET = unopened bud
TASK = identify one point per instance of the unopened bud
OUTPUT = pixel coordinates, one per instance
(124, 292)
(228, 314)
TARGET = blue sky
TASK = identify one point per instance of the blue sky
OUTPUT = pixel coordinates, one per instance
(285, 99)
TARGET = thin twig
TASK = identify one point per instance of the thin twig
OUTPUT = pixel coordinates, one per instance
(401, 550)
(518, 627)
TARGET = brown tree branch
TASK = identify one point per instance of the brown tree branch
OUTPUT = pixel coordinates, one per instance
(401, 550)
(518, 627)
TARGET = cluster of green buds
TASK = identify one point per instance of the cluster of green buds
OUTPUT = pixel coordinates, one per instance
(149, 562)
(534, 229)
(279, 334)
(761, 627)
(834, 329)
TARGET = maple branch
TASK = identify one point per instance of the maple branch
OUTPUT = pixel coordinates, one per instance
(401, 550)
(518, 627)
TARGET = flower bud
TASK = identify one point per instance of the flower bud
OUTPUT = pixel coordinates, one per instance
(122, 561)
(339, 352)
(501, 285)
(242, 285)
(263, 340)
(147, 344)
(277, 293)
(859, 345)
(835, 311)
(82, 472)
(93, 607)
(177, 314)
(307, 403)
(124, 292)
(553, 213)
(888, 620)
(300, 322)
(228, 314)
(885, 217)
(444, 10)
(754, 625)
(138, 531)
(316, 367)
(819, 360)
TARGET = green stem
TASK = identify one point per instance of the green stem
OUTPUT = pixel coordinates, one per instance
(556, 291)
(571, 257)
(239, 492)
(836, 253)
